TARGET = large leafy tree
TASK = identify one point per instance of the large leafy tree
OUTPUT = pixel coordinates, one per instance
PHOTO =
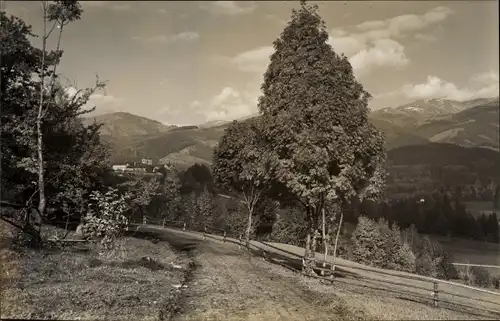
(238, 165)
(315, 125)
(74, 162)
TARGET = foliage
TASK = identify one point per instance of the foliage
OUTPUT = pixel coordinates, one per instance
(74, 160)
(476, 276)
(170, 199)
(426, 265)
(377, 244)
(239, 165)
(428, 260)
(367, 242)
(289, 227)
(440, 213)
(314, 122)
(482, 277)
(315, 116)
(205, 208)
(105, 218)
(196, 179)
(405, 259)
(144, 190)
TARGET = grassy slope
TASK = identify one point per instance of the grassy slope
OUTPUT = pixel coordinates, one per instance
(423, 167)
(77, 283)
(477, 126)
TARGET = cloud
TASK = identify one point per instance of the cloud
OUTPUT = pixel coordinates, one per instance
(384, 52)
(227, 104)
(425, 37)
(102, 101)
(186, 36)
(98, 4)
(482, 85)
(105, 99)
(111, 5)
(254, 61)
(71, 91)
(229, 7)
(120, 7)
(276, 19)
(376, 43)
(368, 45)
(230, 104)
(402, 24)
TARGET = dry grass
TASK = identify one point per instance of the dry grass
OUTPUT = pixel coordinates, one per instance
(78, 283)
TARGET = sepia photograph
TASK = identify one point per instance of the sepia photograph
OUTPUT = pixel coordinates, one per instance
(249, 160)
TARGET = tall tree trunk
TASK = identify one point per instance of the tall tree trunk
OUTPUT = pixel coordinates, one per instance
(339, 208)
(308, 260)
(39, 119)
(325, 241)
(249, 227)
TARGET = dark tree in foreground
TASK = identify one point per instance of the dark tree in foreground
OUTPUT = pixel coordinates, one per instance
(315, 124)
(74, 161)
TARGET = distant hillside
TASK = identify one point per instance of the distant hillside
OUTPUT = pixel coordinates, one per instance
(435, 165)
(122, 125)
(132, 137)
(182, 146)
(477, 126)
(420, 110)
(396, 135)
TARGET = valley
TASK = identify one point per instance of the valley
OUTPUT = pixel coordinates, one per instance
(474, 124)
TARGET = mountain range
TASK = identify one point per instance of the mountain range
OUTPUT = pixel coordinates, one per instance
(471, 123)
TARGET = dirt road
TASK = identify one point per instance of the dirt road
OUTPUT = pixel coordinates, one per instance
(225, 285)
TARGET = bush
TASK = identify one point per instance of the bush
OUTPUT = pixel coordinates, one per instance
(482, 277)
(405, 259)
(496, 282)
(289, 227)
(366, 242)
(467, 276)
(445, 269)
(105, 219)
(425, 265)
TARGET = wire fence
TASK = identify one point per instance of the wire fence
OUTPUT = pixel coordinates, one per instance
(436, 292)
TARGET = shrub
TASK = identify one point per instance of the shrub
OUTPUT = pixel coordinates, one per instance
(405, 259)
(467, 276)
(366, 242)
(445, 269)
(425, 265)
(496, 282)
(289, 227)
(482, 277)
(105, 218)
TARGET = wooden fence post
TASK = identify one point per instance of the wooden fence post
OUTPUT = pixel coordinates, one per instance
(436, 295)
(184, 227)
(224, 239)
(205, 233)
(144, 220)
(239, 243)
(163, 223)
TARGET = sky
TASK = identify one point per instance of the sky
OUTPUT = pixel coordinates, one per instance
(195, 62)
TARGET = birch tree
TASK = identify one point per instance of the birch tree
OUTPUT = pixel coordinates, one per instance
(238, 166)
